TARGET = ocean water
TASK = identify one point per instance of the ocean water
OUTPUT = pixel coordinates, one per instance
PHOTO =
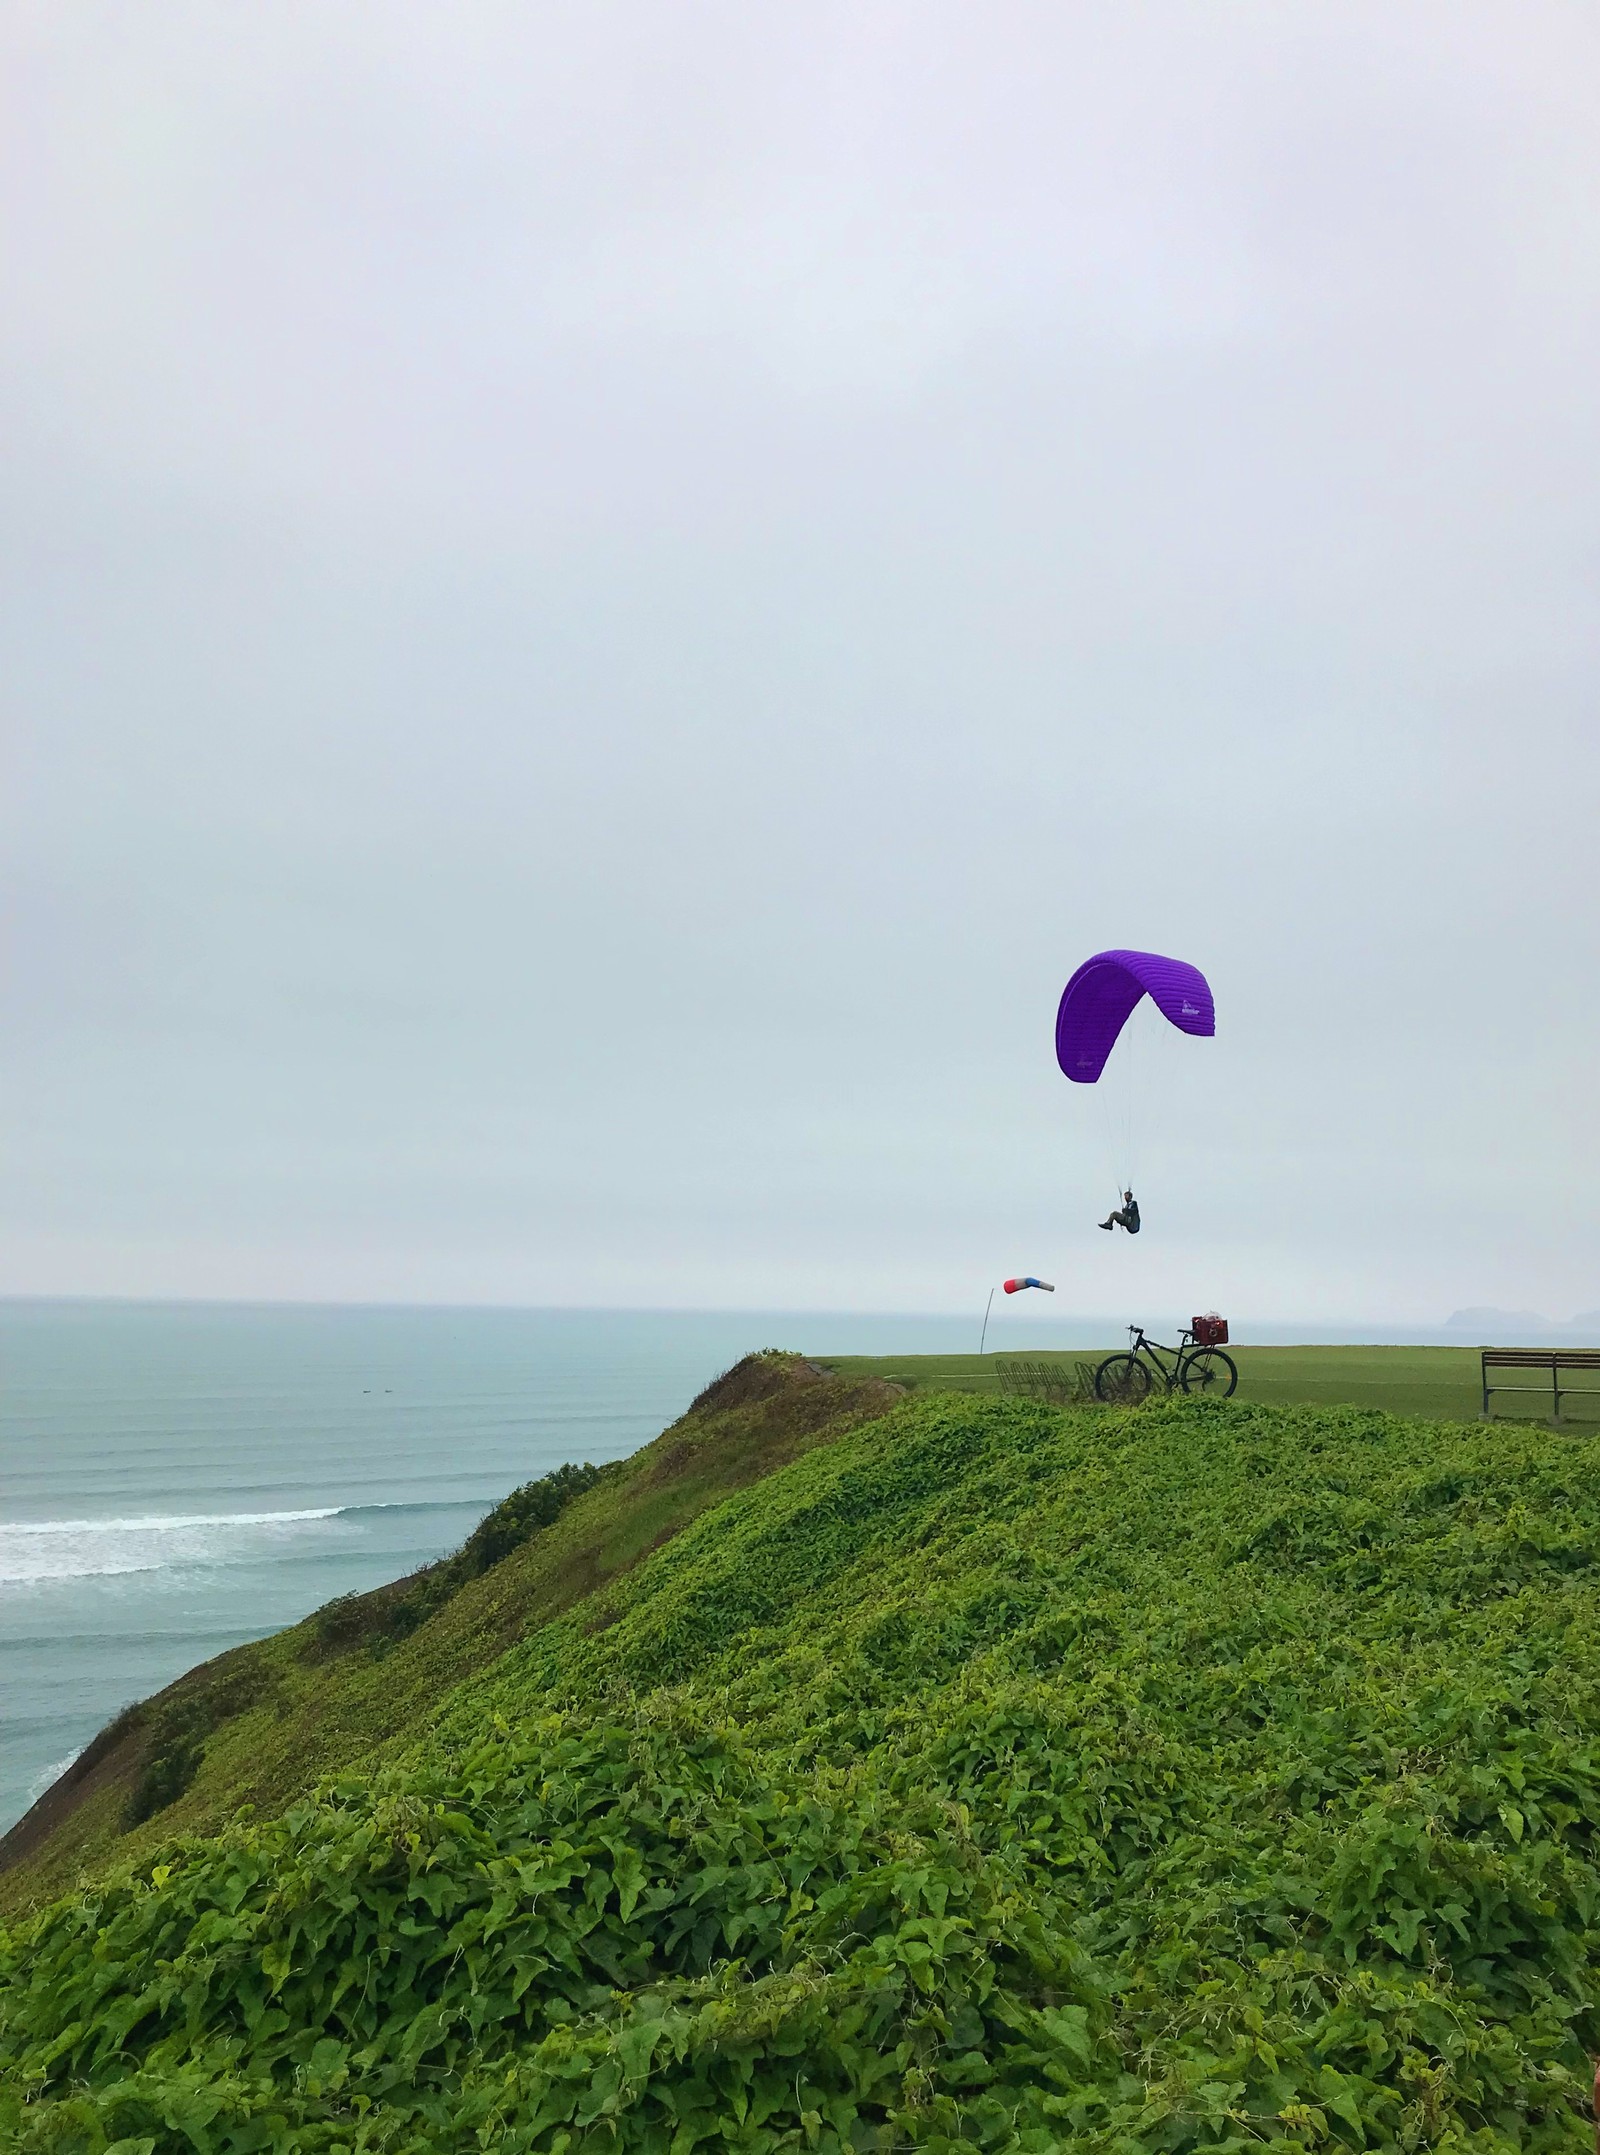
(178, 1478)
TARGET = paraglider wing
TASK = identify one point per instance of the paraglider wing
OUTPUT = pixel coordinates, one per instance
(1099, 1000)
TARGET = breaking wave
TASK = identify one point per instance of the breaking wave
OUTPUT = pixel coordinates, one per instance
(37, 1550)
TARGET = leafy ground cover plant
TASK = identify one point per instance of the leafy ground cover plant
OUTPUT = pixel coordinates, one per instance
(998, 1776)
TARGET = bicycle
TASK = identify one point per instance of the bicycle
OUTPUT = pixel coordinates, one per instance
(1205, 1372)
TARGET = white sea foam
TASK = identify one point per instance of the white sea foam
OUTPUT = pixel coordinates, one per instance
(35, 1550)
(161, 1521)
(51, 1774)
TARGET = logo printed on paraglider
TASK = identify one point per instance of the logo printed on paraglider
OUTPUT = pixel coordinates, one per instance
(1189, 1011)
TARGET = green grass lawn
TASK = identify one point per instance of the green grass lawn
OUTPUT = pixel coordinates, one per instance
(1438, 1381)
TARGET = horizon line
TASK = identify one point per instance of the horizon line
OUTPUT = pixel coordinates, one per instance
(16, 1298)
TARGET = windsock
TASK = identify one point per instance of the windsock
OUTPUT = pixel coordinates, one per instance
(1016, 1286)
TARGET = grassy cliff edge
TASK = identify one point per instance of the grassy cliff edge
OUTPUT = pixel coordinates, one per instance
(264, 1723)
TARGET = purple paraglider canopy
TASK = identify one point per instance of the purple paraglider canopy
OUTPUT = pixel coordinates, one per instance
(1099, 999)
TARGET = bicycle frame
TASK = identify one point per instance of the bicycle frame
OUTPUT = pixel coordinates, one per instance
(1151, 1350)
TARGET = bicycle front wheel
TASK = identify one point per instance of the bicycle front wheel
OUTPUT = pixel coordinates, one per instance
(1122, 1379)
(1210, 1373)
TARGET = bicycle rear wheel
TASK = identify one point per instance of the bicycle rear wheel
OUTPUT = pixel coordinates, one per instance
(1210, 1373)
(1123, 1379)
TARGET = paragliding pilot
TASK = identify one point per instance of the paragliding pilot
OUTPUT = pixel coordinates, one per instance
(1098, 1001)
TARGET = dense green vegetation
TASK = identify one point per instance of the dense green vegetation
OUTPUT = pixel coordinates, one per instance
(993, 1775)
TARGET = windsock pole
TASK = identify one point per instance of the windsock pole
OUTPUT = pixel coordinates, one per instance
(989, 1305)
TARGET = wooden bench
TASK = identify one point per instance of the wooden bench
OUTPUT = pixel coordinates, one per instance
(1551, 1363)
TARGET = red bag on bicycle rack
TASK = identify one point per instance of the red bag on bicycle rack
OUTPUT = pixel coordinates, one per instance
(1210, 1330)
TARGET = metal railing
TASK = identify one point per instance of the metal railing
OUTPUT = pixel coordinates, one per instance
(1057, 1382)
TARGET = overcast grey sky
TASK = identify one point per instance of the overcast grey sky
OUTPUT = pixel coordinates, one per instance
(601, 602)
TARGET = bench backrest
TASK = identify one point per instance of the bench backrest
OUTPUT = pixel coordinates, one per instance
(1541, 1357)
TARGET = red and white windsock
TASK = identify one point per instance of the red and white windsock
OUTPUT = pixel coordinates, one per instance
(1016, 1286)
